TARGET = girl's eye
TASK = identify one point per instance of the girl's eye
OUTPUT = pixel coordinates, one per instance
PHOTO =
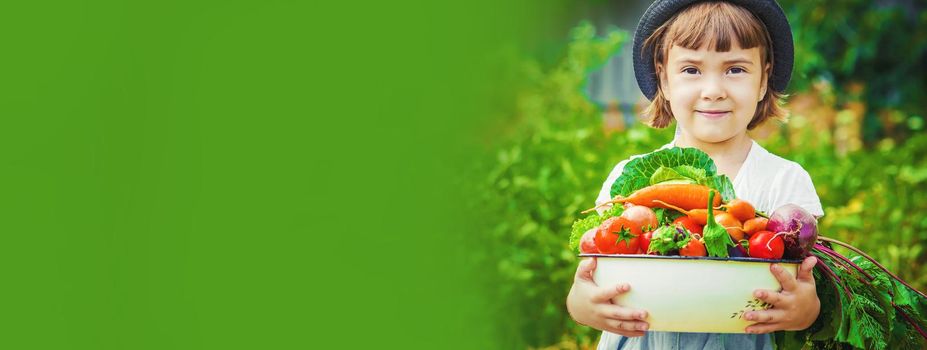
(736, 70)
(690, 70)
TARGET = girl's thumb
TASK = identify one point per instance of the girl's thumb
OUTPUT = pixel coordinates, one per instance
(586, 268)
(804, 270)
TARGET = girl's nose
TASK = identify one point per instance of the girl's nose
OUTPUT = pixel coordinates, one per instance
(713, 90)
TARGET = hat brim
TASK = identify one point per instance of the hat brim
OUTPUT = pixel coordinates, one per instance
(766, 10)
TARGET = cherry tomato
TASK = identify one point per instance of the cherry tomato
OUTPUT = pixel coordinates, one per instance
(694, 248)
(617, 235)
(645, 241)
(642, 217)
(766, 245)
(587, 243)
(688, 224)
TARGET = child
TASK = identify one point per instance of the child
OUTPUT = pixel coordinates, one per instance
(719, 69)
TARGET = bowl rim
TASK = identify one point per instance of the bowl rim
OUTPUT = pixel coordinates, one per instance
(679, 257)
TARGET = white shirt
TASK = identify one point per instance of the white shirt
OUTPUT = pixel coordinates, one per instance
(765, 180)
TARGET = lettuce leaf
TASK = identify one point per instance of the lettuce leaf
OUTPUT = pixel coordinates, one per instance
(667, 239)
(671, 175)
(724, 185)
(672, 165)
(582, 225)
(666, 216)
(691, 171)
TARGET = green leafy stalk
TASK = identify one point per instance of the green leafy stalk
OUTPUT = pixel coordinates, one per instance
(716, 238)
(873, 313)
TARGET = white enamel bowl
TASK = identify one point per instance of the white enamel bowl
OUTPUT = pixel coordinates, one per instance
(690, 294)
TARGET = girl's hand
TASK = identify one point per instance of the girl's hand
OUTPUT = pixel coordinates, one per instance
(591, 305)
(794, 308)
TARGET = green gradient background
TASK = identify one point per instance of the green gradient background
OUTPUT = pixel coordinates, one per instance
(263, 175)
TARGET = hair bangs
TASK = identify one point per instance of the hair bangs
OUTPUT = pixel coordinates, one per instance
(719, 25)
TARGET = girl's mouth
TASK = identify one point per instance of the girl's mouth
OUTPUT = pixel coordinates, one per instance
(712, 114)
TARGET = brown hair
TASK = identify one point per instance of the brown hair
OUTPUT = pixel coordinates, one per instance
(719, 24)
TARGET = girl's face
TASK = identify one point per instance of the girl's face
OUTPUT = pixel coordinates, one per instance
(713, 95)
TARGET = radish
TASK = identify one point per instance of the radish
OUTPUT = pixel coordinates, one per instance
(587, 243)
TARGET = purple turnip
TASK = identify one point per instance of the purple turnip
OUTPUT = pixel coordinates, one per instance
(798, 228)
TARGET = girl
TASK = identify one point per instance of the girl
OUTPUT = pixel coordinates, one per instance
(718, 68)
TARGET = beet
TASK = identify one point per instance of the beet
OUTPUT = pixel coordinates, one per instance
(798, 228)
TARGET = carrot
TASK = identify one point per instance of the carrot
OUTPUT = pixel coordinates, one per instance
(755, 225)
(699, 216)
(686, 196)
(741, 209)
(730, 223)
(733, 226)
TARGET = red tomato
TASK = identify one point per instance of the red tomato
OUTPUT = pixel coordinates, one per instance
(587, 243)
(694, 248)
(645, 241)
(642, 217)
(688, 224)
(603, 244)
(766, 245)
(617, 235)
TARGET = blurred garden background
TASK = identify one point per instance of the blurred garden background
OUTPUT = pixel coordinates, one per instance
(566, 110)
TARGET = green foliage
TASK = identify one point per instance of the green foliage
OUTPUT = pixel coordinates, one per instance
(879, 46)
(860, 301)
